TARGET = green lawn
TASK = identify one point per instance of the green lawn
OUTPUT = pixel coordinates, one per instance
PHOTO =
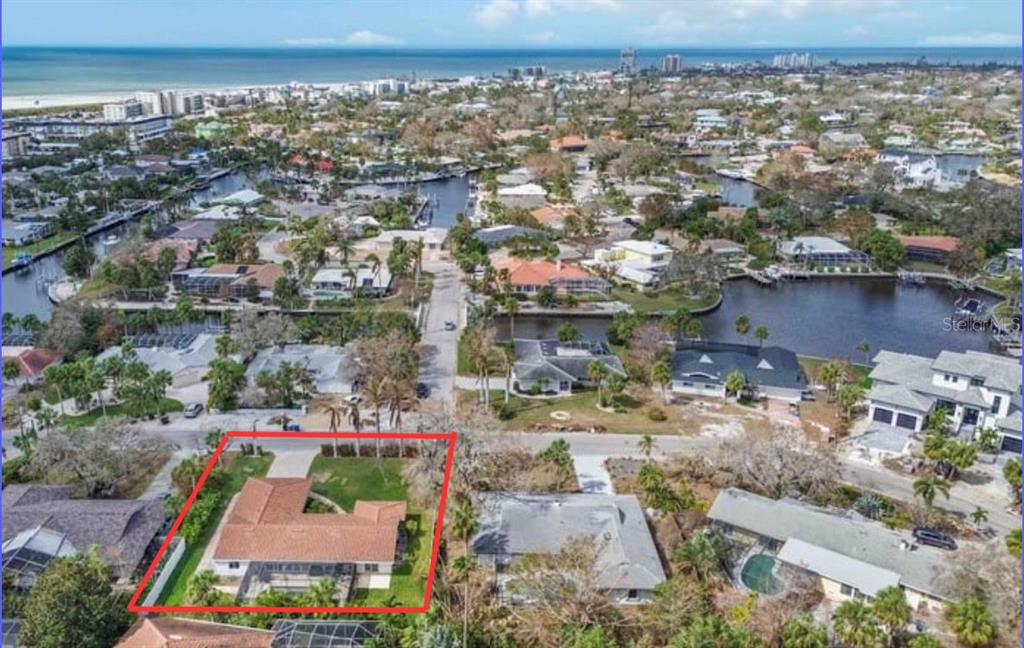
(9, 252)
(238, 469)
(664, 300)
(347, 479)
(631, 418)
(812, 365)
(91, 417)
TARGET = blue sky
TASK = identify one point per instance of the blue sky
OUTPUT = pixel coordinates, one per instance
(514, 23)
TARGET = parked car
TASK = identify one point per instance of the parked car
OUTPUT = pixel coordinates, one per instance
(450, 326)
(193, 410)
(934, 538)
(422, 390)
(292, 427)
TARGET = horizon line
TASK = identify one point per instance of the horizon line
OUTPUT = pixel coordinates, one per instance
(532, 47)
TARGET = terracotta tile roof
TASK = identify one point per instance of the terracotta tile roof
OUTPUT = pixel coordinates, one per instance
(265, 274)
(536, 273)
(944, 243)
(171, 632)
(568, 142)
(551, 214)
(267, 523)
(32, 360)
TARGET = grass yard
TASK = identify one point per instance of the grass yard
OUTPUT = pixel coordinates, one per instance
(347, 479)
(631, 419)
(118, 409)
(238, 469)
(812, 365)
(665, 300)
(10, 252)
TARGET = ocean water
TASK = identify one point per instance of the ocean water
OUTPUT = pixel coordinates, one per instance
(30, 71)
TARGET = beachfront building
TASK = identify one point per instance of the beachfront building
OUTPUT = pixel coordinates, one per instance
(555, 367)
(977, 390)
(821, 251)
(700, 368)
(516, 525)
(851, 557)
(268, 540)
(640, 263)
(15, 145)
(530, 276)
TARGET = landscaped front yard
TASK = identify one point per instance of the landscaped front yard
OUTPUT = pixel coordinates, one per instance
(88, 419)
(237, 469)
(665, 300)
(346, 479)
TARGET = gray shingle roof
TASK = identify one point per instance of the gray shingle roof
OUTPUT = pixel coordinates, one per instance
(570, 360)
(839, 532)
(997, 372)
(122, 528)
(768, 366)
(518, 524)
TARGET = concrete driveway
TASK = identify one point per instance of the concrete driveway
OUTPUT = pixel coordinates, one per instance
(592, 475)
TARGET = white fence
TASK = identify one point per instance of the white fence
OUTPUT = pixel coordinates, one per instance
(173, 558)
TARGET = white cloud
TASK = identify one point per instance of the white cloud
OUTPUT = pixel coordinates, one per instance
(974, 39)
(543, 37)
(856, 30)
(362, 38)
(496, 12)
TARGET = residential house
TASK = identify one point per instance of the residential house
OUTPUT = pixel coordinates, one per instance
(41, 523)
(821, 251)
(529, 276)
(724, 249)
(931, 249)
(229, 280)
(500, 234)
(355, 280)
(516, 525)
(701, 367)
(852, 557)
(198, 230)
(640, 263)
(554, 216)
(569, 144)
(528, 196)
(977, 390)
(269, 541)
(554, 367)
(19, 233)
(328, 365)
(432, 238)
(175, 632)
(31, 360)
(186, 357)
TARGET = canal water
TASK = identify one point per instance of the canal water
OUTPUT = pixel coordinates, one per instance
(824, 317)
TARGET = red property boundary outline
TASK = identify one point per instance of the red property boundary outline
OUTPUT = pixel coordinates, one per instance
(450, 437)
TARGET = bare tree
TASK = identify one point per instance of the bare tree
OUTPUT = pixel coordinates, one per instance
(777, 465)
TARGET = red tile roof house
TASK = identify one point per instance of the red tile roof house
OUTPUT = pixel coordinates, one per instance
(268, 541)
(569, 144)
(32, 361)
(933, 249)
(530, 276)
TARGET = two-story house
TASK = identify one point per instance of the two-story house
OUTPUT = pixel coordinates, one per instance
(637, 262)
(977, 390)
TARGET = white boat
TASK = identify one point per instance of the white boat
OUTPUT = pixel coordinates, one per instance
(111, 239)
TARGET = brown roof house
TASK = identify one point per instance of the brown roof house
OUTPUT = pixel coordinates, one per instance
(171, 632)
(269, 541)
(31, 360)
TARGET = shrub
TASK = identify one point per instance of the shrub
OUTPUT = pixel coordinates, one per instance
(505, 411)
(656, 414)
(327, 449)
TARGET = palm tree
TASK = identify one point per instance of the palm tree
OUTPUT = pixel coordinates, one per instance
(596, 372)
(355, 419)
(508, 360)
(830, 374)
(855, 625)
(972, 622)
(761, 333)
(464, 526)
(865, 347)
(979, 516)
(701, 555)
(377, 398)
(334, 415)
(802, 632)
(735, 382)
(661, 374)
(646, 445)
(202, 588)
(511, 305)
(892, 610)
(927, 488)
(693, 329)
(676, 320)
(743, 325)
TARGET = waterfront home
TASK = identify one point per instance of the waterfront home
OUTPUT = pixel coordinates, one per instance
(977, 390)
(852, 558)
(529, 276)
(198, 230)
(175, 632)
(554, 367)
(268, 540)
(185, 250)
(724, 248)
(700, 368)
(229, 280)
(527, 196)
(186, 357)
(432, 239)
(516, 525)
(41, 523)
(640, 263)
(241, 198)
(354, 280)
(821, 251)
(32, 361)
(930, 249)
(327, 365)
(500, 234)
(19, 233)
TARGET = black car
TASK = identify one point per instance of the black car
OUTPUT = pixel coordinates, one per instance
(934, 538)
(422, 390)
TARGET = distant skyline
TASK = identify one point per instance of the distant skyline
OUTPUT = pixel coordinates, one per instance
(541, 24)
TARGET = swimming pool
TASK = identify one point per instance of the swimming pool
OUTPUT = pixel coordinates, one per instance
(757, 574)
